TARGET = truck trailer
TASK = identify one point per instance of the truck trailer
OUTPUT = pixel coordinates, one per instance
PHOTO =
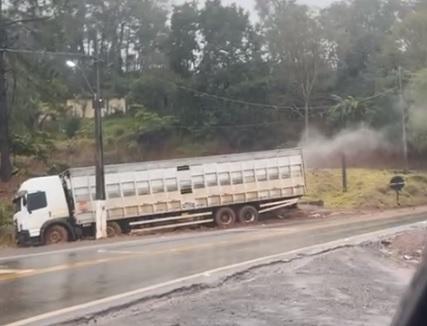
(158, 195)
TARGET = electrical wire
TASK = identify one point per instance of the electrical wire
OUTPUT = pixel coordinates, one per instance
(49, 53)
(202, 93)
(271, 106)
(238, 126)
(245, 103)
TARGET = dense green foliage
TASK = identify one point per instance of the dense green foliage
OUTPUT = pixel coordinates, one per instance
(209, 72)
(5, 214)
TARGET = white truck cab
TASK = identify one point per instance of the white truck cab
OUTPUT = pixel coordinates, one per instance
(39, 203)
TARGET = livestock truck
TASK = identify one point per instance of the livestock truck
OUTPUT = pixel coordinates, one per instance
(224, 190)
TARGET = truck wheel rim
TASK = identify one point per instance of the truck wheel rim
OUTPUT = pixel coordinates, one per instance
(226, 218)
(249, 217)
(55, 237)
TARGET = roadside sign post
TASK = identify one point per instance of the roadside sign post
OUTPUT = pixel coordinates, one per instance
(397, 184)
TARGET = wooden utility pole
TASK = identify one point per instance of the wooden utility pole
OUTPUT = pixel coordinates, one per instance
(5, 162)
(404, 121)
(100, 204)
(307, 122)
(344, 172)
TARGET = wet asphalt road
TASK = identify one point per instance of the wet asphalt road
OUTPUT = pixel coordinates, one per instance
(48, 279)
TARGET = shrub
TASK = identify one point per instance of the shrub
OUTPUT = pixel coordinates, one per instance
(5, 214)
(72, 126)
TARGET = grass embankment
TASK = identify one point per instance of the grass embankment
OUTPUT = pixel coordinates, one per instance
(5, 225)
(367, 188)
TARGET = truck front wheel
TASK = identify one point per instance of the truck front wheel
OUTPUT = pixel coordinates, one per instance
(114, 230)
(55, 234)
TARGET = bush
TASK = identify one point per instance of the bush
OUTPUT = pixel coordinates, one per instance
(72, 126)
(5, 215)
(57, 168)
(37, 144)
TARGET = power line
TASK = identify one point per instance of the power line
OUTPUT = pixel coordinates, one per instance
(373, 97)
(49, 53)
(271, 106)
(193, 90)
(238, 126)
(24, 21)
(295, 108)
(241, 102)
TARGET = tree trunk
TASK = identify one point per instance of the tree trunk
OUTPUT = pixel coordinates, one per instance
(307, 121)
(5, 163)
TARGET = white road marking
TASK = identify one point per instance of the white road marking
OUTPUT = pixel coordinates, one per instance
(73, 250)
(311, 250)
(154, 241)
(98, 247)
(15, 271)
(118, 252)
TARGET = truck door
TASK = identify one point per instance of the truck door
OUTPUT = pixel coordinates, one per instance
(38, 212)
(186, 187)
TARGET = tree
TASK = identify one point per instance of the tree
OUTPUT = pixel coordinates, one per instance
(5, 164)
(182, 45)
(229, 42)
(348, 112)
(410, 39)
(296, 46)
(418, 116)
(357, 31)
(210, 68)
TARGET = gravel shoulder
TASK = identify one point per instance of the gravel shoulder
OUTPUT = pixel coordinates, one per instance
(350, 286)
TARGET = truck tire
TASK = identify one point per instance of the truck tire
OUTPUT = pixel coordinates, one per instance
(248, 215)
(56, 234)
(225, 217)
(113, 230)
(126, 228)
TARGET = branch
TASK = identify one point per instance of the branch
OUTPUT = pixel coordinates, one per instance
(24, 21)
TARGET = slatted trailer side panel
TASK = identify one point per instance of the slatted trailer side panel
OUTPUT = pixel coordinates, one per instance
(165, 190)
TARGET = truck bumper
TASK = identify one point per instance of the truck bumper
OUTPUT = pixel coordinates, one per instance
(23, 239)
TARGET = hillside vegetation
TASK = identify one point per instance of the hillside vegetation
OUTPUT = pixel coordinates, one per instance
(206, 78)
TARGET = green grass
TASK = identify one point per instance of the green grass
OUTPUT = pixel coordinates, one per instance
(366, 188)
(5, 214)
(6, 230)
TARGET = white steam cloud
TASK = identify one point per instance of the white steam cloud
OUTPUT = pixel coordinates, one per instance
(359, 145)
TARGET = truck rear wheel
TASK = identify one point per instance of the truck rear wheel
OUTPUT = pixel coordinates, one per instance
(113, 230)
(225, 217)
(125, 227)
(55, 234)
(248, 215)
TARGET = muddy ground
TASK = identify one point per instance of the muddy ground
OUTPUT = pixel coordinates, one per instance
(350, 286)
